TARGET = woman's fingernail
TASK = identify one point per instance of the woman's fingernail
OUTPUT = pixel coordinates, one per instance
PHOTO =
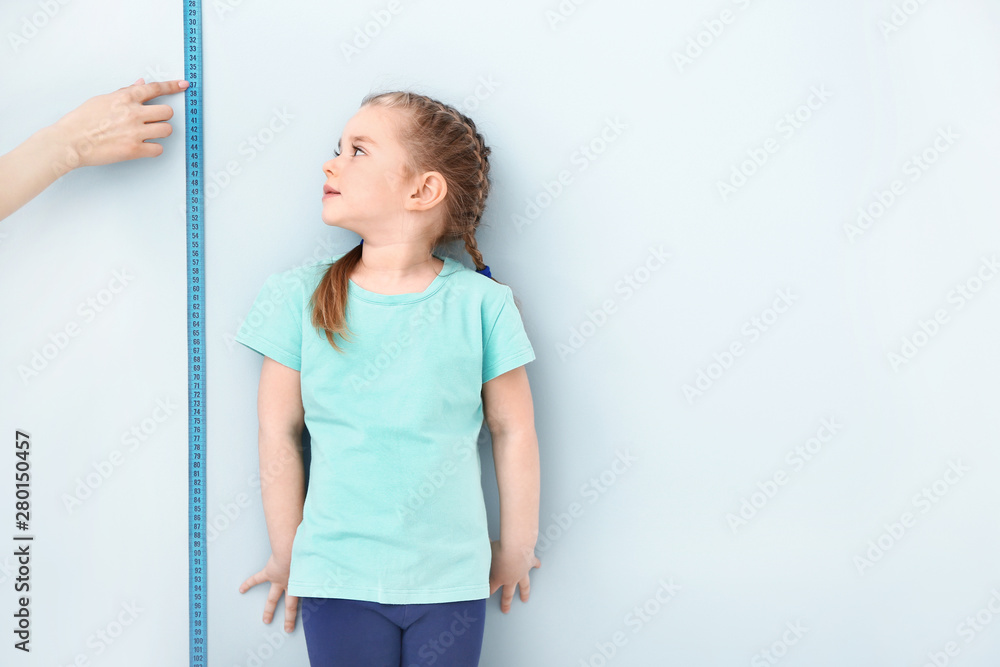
(184, 84)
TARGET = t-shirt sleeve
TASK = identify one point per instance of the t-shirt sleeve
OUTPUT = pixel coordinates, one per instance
(506, 345)
(273, 327)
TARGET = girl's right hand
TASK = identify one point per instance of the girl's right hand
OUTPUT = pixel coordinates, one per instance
(277, 573)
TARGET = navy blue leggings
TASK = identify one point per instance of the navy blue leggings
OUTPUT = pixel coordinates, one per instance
(359, 633)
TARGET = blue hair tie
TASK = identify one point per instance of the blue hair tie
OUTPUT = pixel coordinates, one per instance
(485, 270)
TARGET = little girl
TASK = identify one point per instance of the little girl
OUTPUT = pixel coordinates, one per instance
(393, 356)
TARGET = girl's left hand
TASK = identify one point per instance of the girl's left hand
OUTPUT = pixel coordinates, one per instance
(510, 568)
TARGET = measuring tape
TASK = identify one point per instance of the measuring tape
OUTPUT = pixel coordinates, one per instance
(197, 552)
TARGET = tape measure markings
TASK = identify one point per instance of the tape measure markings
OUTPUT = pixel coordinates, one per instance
(197, 552)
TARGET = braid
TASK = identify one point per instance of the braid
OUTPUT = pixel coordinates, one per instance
(481, 179)
(482, 182)
(483, 176)
(470, 247)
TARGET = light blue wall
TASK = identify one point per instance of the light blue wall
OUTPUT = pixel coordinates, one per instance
(783, 316)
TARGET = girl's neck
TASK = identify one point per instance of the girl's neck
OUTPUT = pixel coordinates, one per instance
(383, 284)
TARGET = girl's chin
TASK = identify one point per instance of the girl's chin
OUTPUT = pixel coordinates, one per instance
(337, 223)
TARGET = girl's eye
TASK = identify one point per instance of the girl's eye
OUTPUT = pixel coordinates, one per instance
(356, 149)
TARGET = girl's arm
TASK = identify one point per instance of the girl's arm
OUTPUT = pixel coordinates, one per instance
(282, 476)
(511, 419)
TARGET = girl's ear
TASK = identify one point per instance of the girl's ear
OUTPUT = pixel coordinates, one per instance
(430, 191)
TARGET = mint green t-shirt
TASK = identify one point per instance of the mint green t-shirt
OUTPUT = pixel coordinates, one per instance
(394, 510)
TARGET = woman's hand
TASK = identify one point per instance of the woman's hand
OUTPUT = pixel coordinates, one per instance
(277, 573)
(106, 128)
(510, 567)
(113, 127)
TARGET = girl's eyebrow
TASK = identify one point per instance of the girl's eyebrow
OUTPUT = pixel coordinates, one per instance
(362, 138)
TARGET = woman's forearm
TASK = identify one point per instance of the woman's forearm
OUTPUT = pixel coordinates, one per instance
(31, 167)
(282, 489)
(515, 455)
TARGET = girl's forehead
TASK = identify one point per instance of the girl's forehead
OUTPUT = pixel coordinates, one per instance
(372, 115)
(378, 123)
(363, 126)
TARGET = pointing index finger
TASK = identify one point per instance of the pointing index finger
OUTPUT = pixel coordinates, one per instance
(147, 91)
